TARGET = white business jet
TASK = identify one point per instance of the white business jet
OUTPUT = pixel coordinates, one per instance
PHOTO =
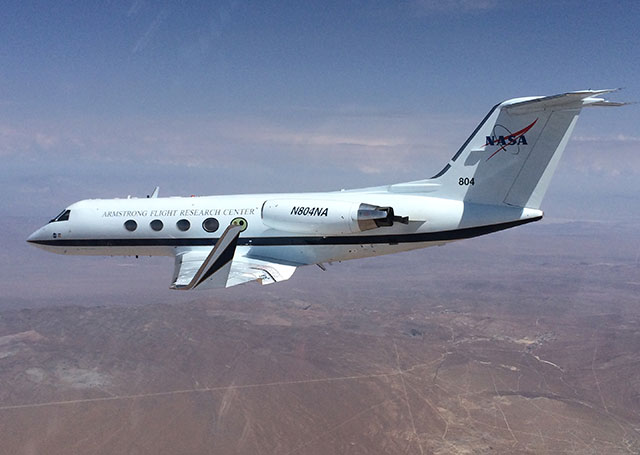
(495, 181)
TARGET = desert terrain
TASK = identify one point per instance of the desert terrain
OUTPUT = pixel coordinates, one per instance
(525, 341)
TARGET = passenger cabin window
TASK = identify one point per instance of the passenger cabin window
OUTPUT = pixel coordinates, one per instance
(210, 225)
(63, 216)
(156, 225)
(130, 225)
(183, 225)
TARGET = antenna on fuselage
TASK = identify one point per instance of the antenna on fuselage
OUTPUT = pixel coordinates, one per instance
(155, 192)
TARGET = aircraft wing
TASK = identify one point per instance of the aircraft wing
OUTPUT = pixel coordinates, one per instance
(265, 271)
(225, 265)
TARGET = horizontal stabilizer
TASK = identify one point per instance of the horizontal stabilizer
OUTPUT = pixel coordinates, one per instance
(570, 100)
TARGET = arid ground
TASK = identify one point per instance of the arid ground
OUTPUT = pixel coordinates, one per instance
(526, 341)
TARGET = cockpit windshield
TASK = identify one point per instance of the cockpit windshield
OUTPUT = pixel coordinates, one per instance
(63, 216)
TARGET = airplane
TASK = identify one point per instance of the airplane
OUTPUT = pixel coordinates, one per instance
(495, 181)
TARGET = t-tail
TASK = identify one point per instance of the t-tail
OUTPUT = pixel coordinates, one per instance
(512, 155)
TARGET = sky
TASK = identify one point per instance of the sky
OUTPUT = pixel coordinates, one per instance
(107, 99)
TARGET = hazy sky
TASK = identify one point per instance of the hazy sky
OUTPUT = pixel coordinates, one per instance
(237, 96)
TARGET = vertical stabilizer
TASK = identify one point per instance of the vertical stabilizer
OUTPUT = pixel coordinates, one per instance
(512, 155)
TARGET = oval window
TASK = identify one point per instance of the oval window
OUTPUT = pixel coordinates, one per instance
(183, 225)
(240, 222)
(156, 225)
(130, 225)
(210, 225)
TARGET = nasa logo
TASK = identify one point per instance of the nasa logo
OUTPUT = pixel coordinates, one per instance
(502, 140)
(310, 211)
(509, 140)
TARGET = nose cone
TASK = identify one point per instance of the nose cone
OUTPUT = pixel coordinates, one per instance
(48, 238)
(38, 238)
(33, 238)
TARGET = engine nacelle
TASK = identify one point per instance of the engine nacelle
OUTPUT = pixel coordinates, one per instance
(325, 217)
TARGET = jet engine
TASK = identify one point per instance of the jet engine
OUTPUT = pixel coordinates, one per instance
(326, 217)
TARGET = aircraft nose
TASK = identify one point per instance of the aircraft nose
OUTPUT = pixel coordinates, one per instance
(36, 236)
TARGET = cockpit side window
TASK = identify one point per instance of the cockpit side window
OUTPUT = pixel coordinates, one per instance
(63, 216)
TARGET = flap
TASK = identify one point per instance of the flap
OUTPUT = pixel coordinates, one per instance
(245, 268)
(265, 271)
